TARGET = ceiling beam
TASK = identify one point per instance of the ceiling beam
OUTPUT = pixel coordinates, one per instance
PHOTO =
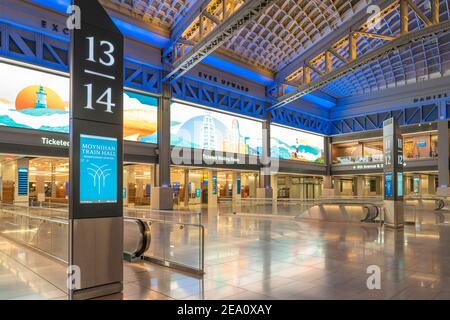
(182, 23)
(248, 12)
(401, 41)
(413, 94)
(360, 18)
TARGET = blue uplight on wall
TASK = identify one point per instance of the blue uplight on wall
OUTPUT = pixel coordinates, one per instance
(230, 67)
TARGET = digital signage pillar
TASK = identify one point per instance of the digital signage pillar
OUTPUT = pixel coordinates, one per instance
(393, 174)
(96, 154)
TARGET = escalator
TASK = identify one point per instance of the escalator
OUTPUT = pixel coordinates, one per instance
(373, 212)
(136, 239)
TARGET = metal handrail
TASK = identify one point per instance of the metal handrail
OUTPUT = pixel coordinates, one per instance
(53, 220)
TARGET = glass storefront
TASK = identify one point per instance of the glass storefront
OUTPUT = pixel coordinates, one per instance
(358, 186)
(357, 152)
(225, 184)
(422, 184)
(415, 146)
(288, 186)
(420, 146)
(138, 180)
(414, 184)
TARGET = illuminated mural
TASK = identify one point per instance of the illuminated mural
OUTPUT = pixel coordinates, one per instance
(140, 118)
(32, 99)
(199, 128)
(291, 144)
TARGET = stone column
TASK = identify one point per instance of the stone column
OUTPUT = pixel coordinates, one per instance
(423, 184)
(186, 188)
(274, 182)
(40, 188)
(163, 193)
(265, 190)
(131, 179)
(1, 183)
(379, 185)
(443, 158)
(431, 185)
(360, 186)
(337, 188)
(327, 187)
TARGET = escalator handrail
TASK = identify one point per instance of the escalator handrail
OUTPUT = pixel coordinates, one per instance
(146, 236)
(441, 204)
(368, 218)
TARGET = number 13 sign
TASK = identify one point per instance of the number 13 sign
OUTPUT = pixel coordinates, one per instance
(97, 70)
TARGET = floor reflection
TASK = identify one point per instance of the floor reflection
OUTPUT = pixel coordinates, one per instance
(261, 258)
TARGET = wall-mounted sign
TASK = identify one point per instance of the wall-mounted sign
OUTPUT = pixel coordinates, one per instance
(55, 142)
(208, 158)
(222, 81)
(98, 169)
(421, 144)
(55, 27)
(368, 166)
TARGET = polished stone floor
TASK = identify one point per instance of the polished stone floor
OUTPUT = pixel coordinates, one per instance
(262, 258)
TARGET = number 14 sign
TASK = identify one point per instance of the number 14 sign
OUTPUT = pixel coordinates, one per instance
(97, 69)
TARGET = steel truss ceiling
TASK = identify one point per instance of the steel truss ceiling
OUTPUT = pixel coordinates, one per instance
(287, 29)
(216, 24)
(164, 12)
(420, 61)
(381, 43)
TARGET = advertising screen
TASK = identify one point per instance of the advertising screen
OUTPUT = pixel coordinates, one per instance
(291, 144)
(98, 169)
(400, 184)
(32, 99)
(199, 128)
(388, 188)
(140, 117)
(416, 184)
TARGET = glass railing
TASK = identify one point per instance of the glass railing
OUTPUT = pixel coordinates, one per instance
(177, 237)
(42, 229)
(272, 207)
(346, 160)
